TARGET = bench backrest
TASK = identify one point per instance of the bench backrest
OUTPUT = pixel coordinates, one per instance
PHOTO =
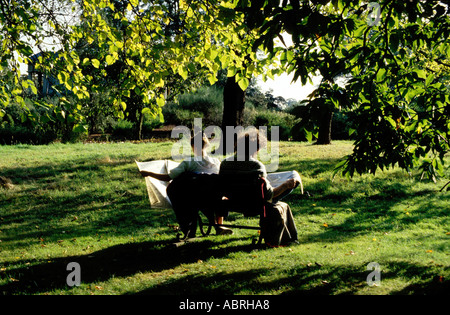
(244, 193)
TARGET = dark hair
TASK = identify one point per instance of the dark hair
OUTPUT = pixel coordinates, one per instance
(252, 142)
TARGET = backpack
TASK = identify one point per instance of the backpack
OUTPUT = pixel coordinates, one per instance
(277, 225)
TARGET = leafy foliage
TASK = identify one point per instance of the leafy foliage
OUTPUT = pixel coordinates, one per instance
(397, 65)
(153, 49)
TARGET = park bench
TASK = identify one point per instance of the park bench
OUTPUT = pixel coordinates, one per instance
(241, 193)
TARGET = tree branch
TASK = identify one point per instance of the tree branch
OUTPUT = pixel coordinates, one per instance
(444, 187)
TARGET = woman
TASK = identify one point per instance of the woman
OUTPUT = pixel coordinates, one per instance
(189, 191)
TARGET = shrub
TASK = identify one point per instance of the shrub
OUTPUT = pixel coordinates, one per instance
(271, 118)
(174, 115)
(205, 103)
(340, 126)
(25, 135)
(149, 124)
(122, 130)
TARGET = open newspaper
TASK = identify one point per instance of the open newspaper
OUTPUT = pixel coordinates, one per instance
(157, 189)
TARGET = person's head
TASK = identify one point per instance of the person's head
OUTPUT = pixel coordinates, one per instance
(199, 143)
(249, 144)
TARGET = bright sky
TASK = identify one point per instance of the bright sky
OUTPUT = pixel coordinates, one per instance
(282, 86)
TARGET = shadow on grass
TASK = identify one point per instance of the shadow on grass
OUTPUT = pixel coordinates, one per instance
(116, 261)
(309, 168)
(47, 172)
(307, 280)
(147, 257)
(80, 198)
(368, 204)
(129, 259)
(375, 216)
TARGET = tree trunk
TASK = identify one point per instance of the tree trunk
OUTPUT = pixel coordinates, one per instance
(233, 107)
(141, 122)
(325, 127)
(233, 104)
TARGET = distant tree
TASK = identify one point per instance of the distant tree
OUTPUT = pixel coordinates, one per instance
(255, 96)
(317, 111)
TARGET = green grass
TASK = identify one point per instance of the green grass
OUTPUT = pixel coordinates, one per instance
(87, 203)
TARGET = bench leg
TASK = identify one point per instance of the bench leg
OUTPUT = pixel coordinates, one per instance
(181, 237)
(205, 228)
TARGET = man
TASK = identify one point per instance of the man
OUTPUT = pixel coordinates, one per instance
(277, 222)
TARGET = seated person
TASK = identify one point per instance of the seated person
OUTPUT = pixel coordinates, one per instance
(183, 193)
(246, 162)
(277, 221)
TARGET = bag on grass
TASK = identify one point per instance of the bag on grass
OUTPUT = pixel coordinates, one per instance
(278, 226)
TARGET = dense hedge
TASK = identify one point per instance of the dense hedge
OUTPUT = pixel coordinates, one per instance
(25, 135)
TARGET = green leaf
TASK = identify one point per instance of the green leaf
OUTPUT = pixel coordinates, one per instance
(413, 93)
(189, 12)
(159, 82)
(422, 74)
(231, 71)
(160, 101)
(212, 79)
(339, 167)
(79, 128)
(95, 63)
(33, 88)
(182, 72)
(109, 60)
(308, 135)
(243, 83)
(381, 74)
(391, 121)
(429, 79)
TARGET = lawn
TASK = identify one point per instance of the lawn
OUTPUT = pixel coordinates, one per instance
(87, 203)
